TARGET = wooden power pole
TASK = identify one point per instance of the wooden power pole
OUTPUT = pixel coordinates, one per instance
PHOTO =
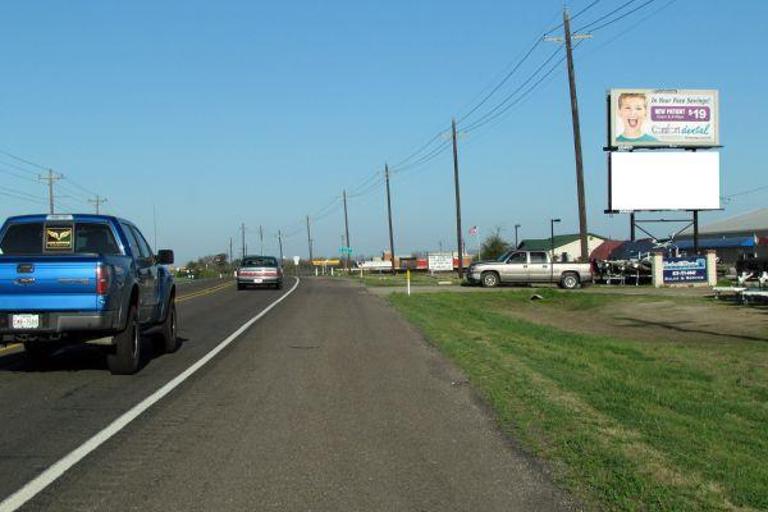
(98, 202)
(348, 246)
(51, 178)
(309, 240)
(576, 138)
(389, 215)
(458, 198)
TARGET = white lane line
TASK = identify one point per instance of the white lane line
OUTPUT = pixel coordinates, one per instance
(50, 475)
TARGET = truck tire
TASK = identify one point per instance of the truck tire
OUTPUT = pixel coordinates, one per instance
(489, 279)
(569, 281)
(124, 360)
(240, 286)
(169, 332)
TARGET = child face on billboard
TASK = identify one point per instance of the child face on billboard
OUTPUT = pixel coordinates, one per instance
(633, 111)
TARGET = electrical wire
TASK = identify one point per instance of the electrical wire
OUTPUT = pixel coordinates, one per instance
(503, 80)
(19, 159)
(579, 13)
(619, 18)
(605, 16)
(503, 106)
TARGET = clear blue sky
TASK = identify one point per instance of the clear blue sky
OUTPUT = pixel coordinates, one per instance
(220, 113)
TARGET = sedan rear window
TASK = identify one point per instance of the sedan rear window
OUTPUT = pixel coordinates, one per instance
(27, 239)
(261, 261)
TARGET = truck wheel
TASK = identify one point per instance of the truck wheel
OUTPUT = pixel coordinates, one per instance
(240, 286)
(489, 279)
(569, 281)
(169, 334)
(127, 350)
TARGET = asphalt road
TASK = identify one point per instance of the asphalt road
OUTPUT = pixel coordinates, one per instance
(329, 402)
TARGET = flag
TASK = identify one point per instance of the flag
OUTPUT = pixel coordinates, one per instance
(473, 231)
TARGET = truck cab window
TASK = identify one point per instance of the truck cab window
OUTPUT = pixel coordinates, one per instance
(95, 238)
(144, 249)
(538, 257)
(518, 257)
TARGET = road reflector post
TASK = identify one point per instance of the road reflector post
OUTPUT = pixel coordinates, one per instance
(408, 280)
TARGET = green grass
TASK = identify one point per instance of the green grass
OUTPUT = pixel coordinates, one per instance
(626, 425)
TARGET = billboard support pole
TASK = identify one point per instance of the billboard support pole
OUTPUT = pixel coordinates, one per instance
(696, 231)
(632, 226)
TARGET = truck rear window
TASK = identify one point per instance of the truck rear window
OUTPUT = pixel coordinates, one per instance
(27, 239)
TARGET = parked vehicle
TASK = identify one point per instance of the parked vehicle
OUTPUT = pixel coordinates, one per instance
(84, 278)
(524, 267)
(259, 271)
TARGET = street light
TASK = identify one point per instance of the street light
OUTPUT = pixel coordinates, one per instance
(552, 238)
(517, 226)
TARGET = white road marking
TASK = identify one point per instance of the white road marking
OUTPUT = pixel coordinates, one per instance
(50, 475)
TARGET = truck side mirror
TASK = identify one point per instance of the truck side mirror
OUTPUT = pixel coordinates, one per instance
(165, 257)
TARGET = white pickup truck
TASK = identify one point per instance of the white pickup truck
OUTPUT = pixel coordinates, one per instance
(528, 267)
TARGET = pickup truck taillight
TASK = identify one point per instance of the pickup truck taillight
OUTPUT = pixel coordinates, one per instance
(103, 276)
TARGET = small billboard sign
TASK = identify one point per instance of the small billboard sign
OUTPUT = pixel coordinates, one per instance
(440, 261)
(685, 270)
(663, 118)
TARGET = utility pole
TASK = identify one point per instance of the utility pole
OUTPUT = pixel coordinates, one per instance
(458, 198)
(230, 251)
(389, 215)
(98, 202)
(50, 178)
(242, 234)
(576, 138)
(261, 238)
(568, 40)
(280, 244)
(309, 240)
(517, 226)
(347, 264)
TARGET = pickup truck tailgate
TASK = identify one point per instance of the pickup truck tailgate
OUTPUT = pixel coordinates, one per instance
(48, 283)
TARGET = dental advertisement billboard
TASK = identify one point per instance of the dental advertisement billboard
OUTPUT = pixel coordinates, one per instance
(676, 118)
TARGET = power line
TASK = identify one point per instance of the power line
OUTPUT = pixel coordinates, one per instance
(17, 175)
(604, 16)
(579, 13)
(619, 18)
(501, 109)
(23, 198)
(503, 80)
(28, 162)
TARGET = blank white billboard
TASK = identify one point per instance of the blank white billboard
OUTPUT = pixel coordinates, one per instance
(664, 180)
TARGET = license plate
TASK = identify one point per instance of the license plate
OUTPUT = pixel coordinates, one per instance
(25, 321)
(258, 281)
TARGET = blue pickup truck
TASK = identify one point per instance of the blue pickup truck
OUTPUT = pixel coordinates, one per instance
(84, 278)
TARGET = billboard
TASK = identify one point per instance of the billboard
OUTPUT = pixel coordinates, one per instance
(665, 180)
(663, 118)
(685, 270)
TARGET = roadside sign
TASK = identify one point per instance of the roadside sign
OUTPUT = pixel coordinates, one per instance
(685, 270)
(345, 250)
(296, 260)
(440, 261)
